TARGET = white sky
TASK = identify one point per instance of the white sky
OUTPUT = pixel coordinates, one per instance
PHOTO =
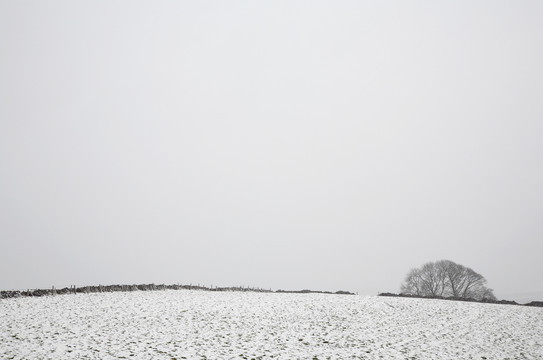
(283, 144)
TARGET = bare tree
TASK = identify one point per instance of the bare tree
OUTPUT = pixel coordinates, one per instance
(413, 283)
(445, 278)
(454, 275)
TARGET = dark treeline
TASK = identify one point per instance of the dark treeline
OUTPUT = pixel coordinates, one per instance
(486, 301)
(341, 292)
(146, 287)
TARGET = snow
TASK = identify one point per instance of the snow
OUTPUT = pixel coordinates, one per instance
(221, 325)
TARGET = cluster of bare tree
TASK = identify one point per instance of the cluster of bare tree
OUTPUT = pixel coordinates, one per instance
(445, 278)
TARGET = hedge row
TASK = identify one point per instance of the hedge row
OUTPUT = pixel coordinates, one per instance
(486, 301)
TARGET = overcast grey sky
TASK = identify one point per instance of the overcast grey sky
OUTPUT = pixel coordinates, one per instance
(283, 144)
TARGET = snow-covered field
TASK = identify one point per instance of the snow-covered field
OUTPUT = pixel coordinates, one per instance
(198, 325)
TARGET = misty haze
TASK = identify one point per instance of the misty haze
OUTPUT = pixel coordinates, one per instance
(277, 165)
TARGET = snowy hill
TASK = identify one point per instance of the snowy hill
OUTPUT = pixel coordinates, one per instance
(217, 325)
